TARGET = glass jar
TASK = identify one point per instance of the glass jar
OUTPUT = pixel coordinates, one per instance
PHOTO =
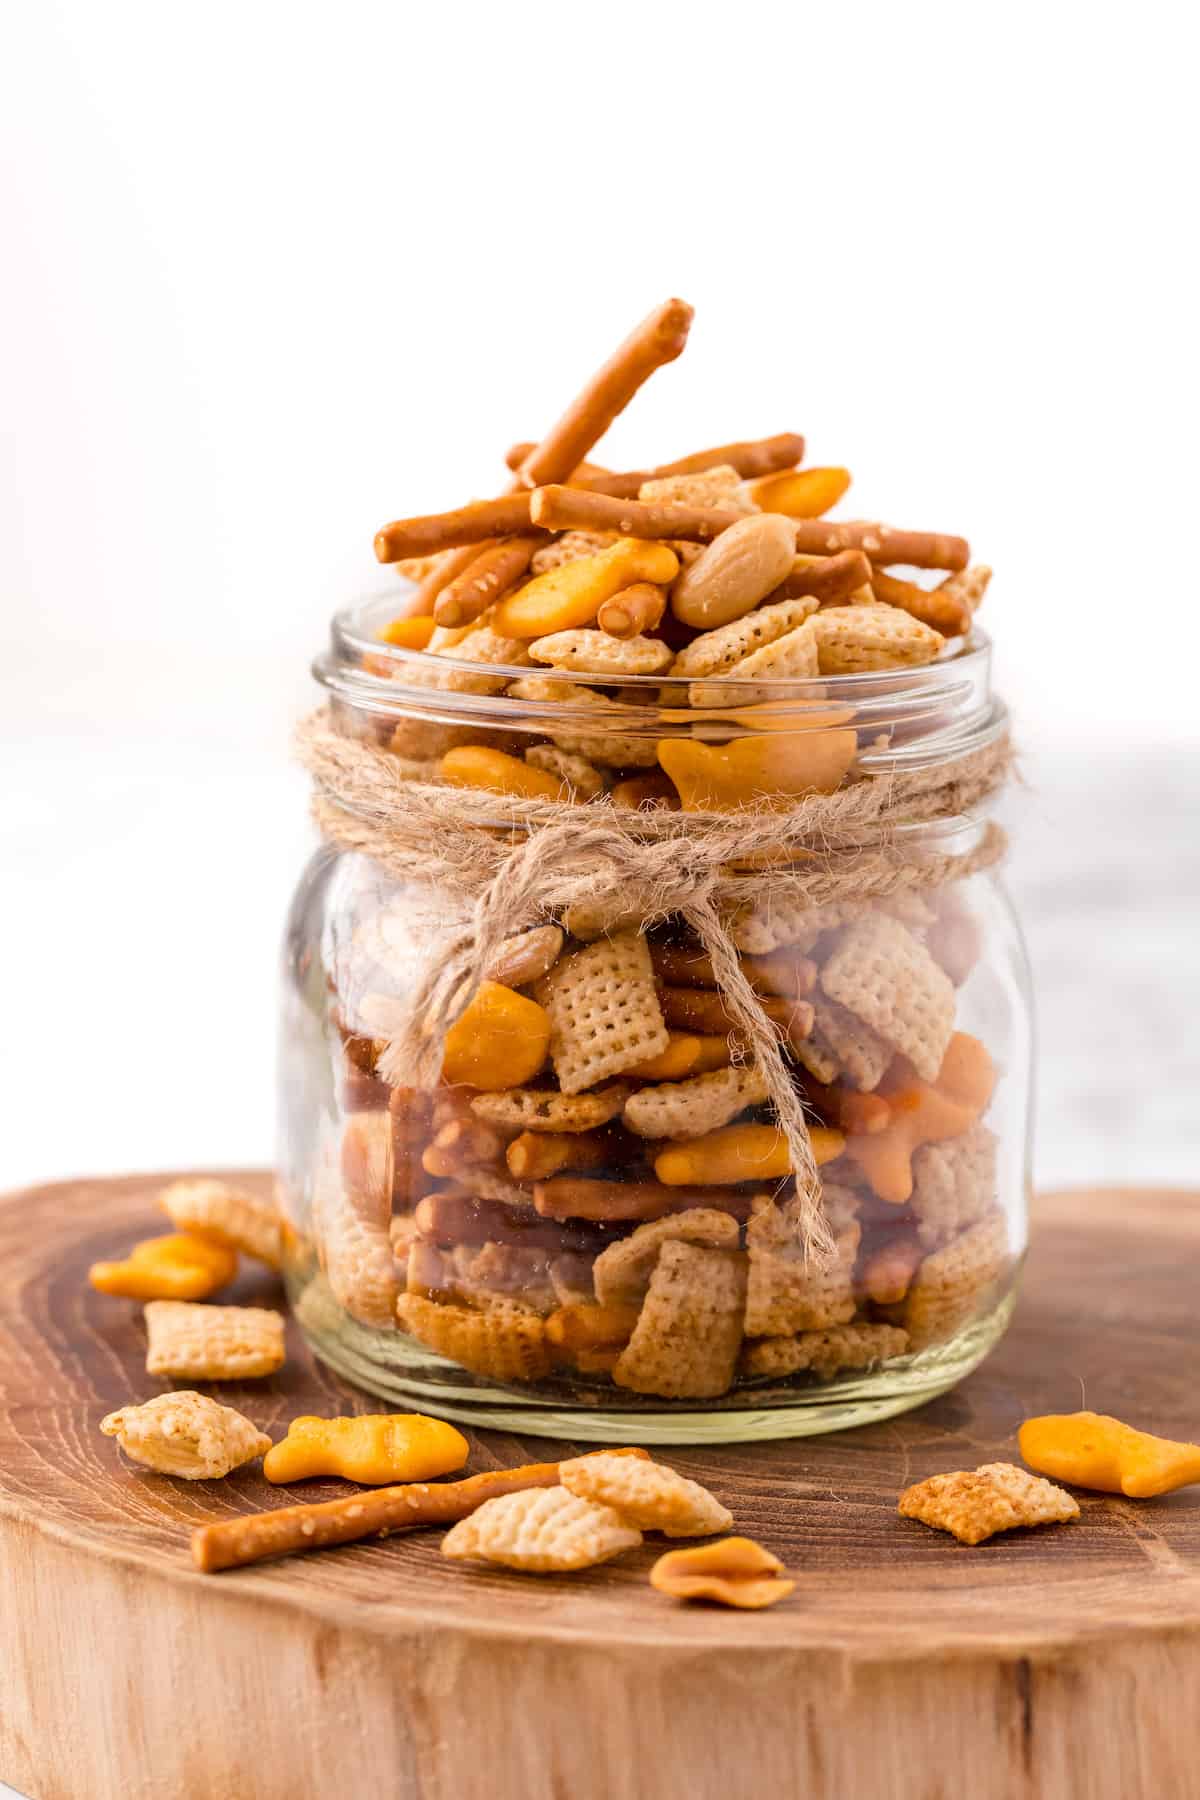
(599, 1245)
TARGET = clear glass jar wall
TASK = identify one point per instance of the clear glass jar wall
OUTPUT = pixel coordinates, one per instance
(604, 1255)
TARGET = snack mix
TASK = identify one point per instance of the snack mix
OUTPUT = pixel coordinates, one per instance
(599, 1200)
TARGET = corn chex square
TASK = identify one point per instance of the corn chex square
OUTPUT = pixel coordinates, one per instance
(715, 652)
(686, 1341)
(974, 1504)
(646, 1494)
(543, 1531)
(949, 1287)
(884, 975)
(786, 1293)
(700, 1103)
(186, 1434)
(823, 1353)
(212, 1343)
(225, 1215)
(954, 1184)
(604, 1011)
(853, 639)
(503, 1341)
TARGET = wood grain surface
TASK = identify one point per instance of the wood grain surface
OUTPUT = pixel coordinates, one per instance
(1056, 1664)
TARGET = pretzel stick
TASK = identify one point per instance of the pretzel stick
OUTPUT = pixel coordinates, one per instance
(472, 524)
(881, 544)
(484, 579)
(657, 340)
(579, 509)
(832, 578)
(931, 606)
(236, 1542)
(614, 1202)
(634, 610)
(759, 456)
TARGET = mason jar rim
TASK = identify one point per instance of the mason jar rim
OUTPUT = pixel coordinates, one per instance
(919, 715)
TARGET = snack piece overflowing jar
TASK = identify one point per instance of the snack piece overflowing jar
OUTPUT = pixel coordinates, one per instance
(656, 1044)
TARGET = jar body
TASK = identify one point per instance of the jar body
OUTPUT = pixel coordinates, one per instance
(615, 1262)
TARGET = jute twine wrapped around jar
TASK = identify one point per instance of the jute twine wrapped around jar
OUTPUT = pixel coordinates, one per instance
(498, 865)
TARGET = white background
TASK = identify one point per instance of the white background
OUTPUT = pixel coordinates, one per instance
(275, 274)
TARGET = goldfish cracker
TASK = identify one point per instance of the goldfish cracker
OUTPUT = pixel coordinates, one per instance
(1091, 1450)
(409, 634)
(922, 1112)
(769, 771)
(500, 1041)
(478, 766)
(375, 1449)
(680, 1057)
(175, 1266)
(801, 493)
(739, 1153)
(571, 595)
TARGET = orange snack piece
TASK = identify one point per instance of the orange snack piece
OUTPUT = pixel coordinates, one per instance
(375, 1449)
(408, 634)
(478, 766)
(735, 1572)
(175, 1266)
(570, 596)
(739, 1153)
(1092, 1450)
(801, 493)
(680, 1058)
(500, 1041)
(923, 1112)
(772, 769)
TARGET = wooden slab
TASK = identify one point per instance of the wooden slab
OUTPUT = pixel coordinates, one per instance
(1059, 1664)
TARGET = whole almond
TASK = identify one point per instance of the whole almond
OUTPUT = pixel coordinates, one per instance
(738, 569)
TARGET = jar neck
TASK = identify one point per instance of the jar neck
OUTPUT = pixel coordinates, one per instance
(906, 720)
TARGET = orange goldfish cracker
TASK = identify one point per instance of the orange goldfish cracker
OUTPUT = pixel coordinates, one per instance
(634, 610)
(212, 1343)
(525, 957)
(770, 770)
(582, 1328)
(373, 1448)
(1092, 1450)
(477, 766)
(923, 1113)
(646, 1494)
(570, 596)
(973, 1505)
(686, 1342)
(589, 652)
(621, 1273)
(176, 1266)
(739, 1153)
(500, 1041)
(186, 1434)
(678, 1059)
(801, 493)
(409, 633)
(735, 1572)
(787, 1291)
(225, 1215)
(603, 1011)
(541, 1531)
(744, 565)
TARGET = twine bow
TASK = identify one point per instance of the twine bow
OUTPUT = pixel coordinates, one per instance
(499, 865)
